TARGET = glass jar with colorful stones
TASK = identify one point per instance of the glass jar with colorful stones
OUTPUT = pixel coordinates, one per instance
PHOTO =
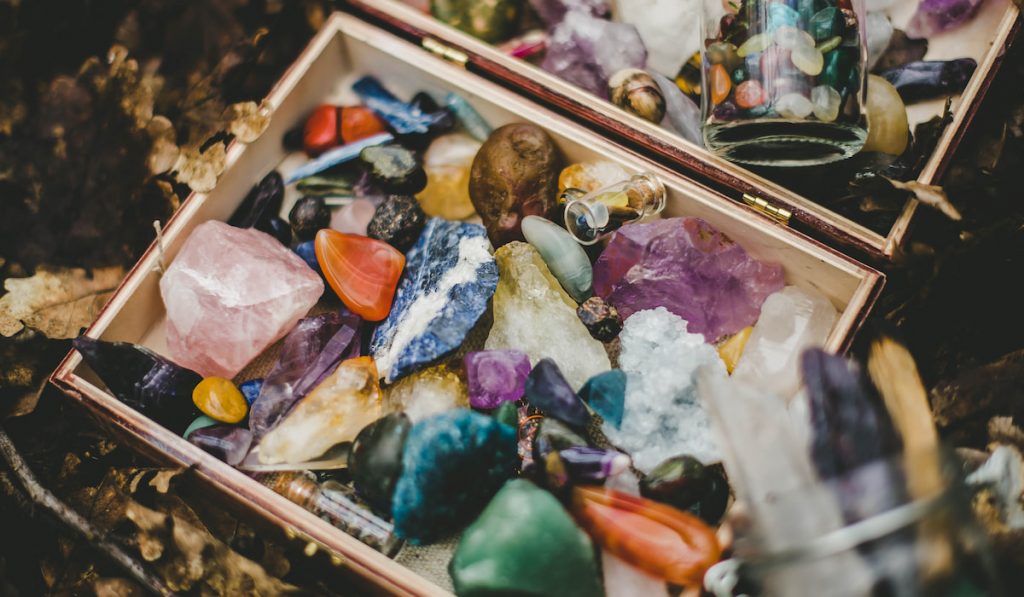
(591, 216)
(784, 82)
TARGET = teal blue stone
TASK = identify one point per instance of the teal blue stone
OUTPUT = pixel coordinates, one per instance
(564, 256)
(781, 15)
(739, 75)
(838, 66)
(453, 464)
(825, 24)
(200, 422)
(606, 394)
(759, 111)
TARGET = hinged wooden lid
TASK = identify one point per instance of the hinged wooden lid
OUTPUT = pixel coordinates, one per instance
(984, 39)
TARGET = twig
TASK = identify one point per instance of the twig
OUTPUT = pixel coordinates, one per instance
(42, 497)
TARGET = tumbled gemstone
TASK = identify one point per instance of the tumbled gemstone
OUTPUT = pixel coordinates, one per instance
(363, 272)
(251, 389)
(321, 130)
(602, 319)
(547, 389)
(333, 413)
(200, 422)
(225, 442)
(591, 176)
(929, 79)
(398, 221)
(219, 399)
(754, 45)
(781, 15)
(889, 128)
(586, 465)
(791, 37)
(394, 169)
(731, 350)
(606, 394)
(358, 123)
(565, 258)
(635, 91)
(719, 83)
(553, 436)
(808, 59)
(826, 23)
(685, 483)
(750, 94)
(447, 163)
(724, 53)
(507, 413)
(231, 293)
(376, 459)
(826, 102)
(793, 105)
(673, 545)
(496, 377)
(308, 216)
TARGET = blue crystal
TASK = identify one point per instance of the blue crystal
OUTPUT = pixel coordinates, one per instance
(338, 155)
(606, 394)
(453, 464)
(402, 118)
(547, 389)
(307, 251)
(451, 260)
(781, 15)
(251, 389)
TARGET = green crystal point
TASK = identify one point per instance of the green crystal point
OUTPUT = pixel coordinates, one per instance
(564, 256)
(525, 543)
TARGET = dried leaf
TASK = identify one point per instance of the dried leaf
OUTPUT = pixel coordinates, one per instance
(28, 358)
(1002, 430)
(248, 120)
(162, 480)
(199, 170)
(59, 303)
(164, 153)
(117, 587)
(930, 195)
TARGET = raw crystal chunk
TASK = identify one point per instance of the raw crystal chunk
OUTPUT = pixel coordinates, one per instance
(553, 11)
(670, 29)
(588, 466)
(601, 319)
(547, 390)
(449, 277)
(334, 412)
(533, 314)
(591, 176)
(929, 79)
(731, 350)
(565, 258)
(791, 320)
(496, 377)
(587, 51)
(426, 392)
(662, 416)
(688, 267)
(524, 543)
(622, 579)
(935, 16)
(229, 294)
(453, 464)
(606, 394)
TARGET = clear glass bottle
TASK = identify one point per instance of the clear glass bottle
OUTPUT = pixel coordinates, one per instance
(590, 216)
(784, 82)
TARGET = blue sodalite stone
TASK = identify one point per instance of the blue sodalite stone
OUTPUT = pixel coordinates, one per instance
(251, 389)
(402, 118)
(449, 277)
(606, 394)
(307, 251)
(452, 465)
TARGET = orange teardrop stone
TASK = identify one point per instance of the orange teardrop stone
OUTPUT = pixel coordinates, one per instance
(720, 83)
(363, 272)
(659, 539)
(359, 122)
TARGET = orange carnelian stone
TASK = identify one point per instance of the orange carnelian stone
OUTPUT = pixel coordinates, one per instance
(321, 130)
(358, 123)
(720, 84)
(750, 94)
(363, 272)
(659, 539)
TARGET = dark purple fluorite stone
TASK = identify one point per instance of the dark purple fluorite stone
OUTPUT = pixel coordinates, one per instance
(935, 16)
(226, 442)
(495, 376)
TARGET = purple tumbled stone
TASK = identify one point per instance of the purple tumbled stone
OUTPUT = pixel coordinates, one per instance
(227, 443)
(691, 269)
(935, 16)
(547, 389)
(592, 465)
(586, 51)
(553, 11)
(310, 352)
(495, 376)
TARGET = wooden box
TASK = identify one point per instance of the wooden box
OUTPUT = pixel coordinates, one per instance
(985, 39)
(349, 47)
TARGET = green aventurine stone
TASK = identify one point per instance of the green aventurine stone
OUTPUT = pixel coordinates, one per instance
(564, 256)
(826, 23)
(525, 543)
(200, 422)
(829, 44)
(836, 72)
(507, 413)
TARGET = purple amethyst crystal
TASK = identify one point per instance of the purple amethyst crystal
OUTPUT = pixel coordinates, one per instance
(691, 269)
(495, 376)
(225, 442)
(592, 465)
(553, 11)
(935, 16)
(310, 353)
(586, 51)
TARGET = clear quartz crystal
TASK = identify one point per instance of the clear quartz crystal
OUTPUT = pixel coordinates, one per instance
(588, 217)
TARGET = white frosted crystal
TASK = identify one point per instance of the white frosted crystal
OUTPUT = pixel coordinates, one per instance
(791, 321)
(533, 314)
(662, 416)
(622, 579)
(880, 32)
(770, 470)
(229, 294)
(671, 29)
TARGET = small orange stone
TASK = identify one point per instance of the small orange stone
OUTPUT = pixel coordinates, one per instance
(750, 94)
(358, 122)
(362, 271)
(321, 130)
(220, 400)
(720, 84)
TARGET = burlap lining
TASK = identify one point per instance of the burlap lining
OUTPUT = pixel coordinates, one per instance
(429, 561)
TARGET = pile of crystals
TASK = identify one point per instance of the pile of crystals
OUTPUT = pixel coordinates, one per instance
(451, 360)
(643, 54)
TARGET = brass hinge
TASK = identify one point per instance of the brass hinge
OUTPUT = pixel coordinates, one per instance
(448, 53)
(779, 214)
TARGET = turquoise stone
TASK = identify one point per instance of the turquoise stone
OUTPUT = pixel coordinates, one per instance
(606, 394)
(562, 254)
(826, 23)
(781, 15)
(525, 543)
(200, 422)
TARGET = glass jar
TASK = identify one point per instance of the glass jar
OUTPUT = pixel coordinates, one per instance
(784, 82)
(591, 216)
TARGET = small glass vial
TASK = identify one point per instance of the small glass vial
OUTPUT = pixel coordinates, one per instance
(336, 504)
(784, 82)
(589, 217)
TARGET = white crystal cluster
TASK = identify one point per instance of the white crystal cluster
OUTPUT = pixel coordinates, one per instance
(662, 416)
(671, 29)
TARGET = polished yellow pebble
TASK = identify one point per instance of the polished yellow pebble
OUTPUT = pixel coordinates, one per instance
(219, 399)
(731, 350)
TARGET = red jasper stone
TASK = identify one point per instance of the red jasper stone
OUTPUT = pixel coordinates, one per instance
(659, 539)
(321, 130)
(358, 122)
(362, 271)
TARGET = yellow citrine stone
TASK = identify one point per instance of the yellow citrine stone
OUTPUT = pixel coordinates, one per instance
(220, 400)
(731, 350)
(427, 392)
(333, 413)
(447, 163)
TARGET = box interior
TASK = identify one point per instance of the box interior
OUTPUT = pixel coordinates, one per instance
(349, 48)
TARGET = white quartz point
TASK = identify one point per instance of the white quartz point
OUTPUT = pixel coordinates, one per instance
(662, 416)
(533, 314)
(791, 320)
(880, 31)
(622, 579)
(670, 29)
(680, 111)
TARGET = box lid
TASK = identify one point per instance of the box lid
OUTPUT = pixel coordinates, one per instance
(985, 38)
